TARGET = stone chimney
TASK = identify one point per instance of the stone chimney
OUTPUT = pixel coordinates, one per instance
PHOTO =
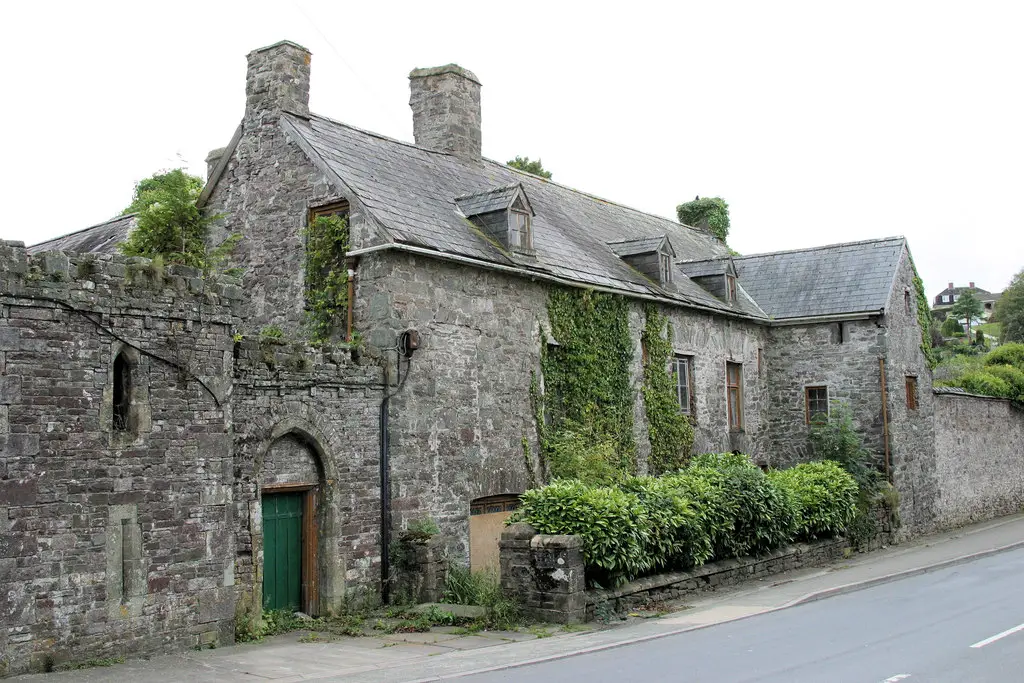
(277, 80)
(445, 103)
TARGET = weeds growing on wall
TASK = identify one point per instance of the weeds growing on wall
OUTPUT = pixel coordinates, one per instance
(326, 275)
(670, 432)
(585, 411)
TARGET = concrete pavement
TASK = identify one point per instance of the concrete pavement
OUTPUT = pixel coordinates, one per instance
(441, 656)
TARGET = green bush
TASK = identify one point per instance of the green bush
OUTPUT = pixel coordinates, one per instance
(984, 383)
(1007, 354)
(612, 524)
(825, 496)
(721, 460)
(715, 510)
(951, 327)
(677, 537)
(837, 440)
(1013, 376)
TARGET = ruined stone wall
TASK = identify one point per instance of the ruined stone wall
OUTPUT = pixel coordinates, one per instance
(911, 429)
(979, 459)
(845, 359)
(459, 419)
(112, 542)
(309, 416)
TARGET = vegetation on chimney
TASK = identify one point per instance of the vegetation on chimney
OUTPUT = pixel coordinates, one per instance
(670, 432)
(709, 213)
(326, 275)
(584, 413)
(534, 167)
(170, 226)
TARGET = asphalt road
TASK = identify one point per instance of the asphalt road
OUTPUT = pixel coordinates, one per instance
(963, 624)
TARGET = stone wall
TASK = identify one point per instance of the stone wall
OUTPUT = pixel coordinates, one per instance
(979, 459)
(112, 542)
(911, 429)
(307, 416)
(840, 355)
(544, 573)
(460, 418)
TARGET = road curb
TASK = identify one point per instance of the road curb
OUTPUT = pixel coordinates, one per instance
(810, 597)
(896, 576)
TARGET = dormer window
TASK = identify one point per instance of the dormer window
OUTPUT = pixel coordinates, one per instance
(652, 256)
(503, 214)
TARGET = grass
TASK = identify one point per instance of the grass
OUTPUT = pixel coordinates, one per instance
(990, 329)
(482, 588)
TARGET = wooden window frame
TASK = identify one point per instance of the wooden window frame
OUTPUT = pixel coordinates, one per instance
(339, 208)
(665, 266)
(808, 416)
(730, 287)
(735, 420)
(524, 229)
(688, 361)
(911, 388)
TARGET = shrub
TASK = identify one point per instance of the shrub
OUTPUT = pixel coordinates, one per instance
(715, 510)
(985, 383)
(721, 460)
(612, 524)
(837, 440)
(951, 327)
(1013, 376)
(677, 536)
(764, 518)
(1007, 354)
(825, 496)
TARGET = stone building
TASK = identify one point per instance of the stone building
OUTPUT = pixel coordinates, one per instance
(233, 471)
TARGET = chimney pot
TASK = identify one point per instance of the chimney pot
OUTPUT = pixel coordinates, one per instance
(445, 102)
(277, 80)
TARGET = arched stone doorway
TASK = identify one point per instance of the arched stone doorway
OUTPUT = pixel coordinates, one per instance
(486, 521)
(293, 504)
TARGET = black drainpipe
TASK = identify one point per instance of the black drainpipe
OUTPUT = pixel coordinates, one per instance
(385, 497)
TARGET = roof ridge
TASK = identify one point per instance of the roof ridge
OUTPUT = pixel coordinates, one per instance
(379, 136)
(95, 225)
(893, 238)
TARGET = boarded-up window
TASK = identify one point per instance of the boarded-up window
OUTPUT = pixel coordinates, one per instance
(734, 389)
(486, 522)
(816, 404)
(911, 393)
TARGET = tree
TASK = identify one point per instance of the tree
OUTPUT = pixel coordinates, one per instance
(709, 213)
(1010, 310)
(169, 225)
(969, 308)
(534, 167)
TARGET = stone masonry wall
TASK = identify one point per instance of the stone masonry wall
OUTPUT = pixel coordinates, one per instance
(309, 416)
(459, 420)
(911, 430)
(799, 356)
(979, 459)
(112, 542)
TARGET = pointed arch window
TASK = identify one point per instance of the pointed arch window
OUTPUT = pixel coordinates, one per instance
(122, 393)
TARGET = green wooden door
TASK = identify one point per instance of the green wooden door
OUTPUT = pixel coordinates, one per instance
(282, 551)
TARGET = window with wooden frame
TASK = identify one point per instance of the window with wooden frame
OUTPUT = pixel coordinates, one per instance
(730, 284)
(520, 226)
(339, 209)
(911, 392)
(816, 404)
(665, 266)
(681, 368)
(734, 394)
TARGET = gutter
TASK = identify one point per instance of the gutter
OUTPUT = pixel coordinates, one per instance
(534, 275)
(831, 318)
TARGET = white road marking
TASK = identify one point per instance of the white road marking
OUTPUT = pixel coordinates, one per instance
(897, 677)
(1007, 632)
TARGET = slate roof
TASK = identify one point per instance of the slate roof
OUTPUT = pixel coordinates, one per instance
(704, 268)
(855, 277)
(102, 238)
(485, 202)
(410, 194)
(642, 245)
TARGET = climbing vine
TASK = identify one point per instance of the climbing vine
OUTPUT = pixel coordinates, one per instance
(924, 319)
(585, 412)
(670, 433)
(326, 275)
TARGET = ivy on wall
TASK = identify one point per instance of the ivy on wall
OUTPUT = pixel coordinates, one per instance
(924, 319)
(326, 275)
(585, 412)
(670, 433)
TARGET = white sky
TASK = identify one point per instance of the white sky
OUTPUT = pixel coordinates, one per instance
(818, 122)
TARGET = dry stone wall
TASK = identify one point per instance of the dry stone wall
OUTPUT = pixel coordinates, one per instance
(112, 542)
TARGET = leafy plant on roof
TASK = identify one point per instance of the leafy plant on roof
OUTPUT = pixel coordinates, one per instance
(170, 225)
(709, 213)
(534, 167)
